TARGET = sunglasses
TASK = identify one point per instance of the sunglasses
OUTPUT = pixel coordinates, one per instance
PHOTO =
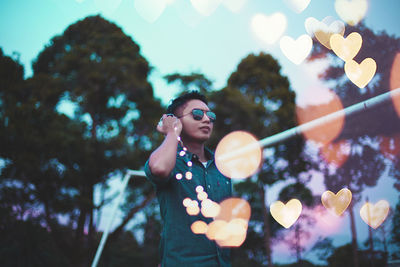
(198, 114)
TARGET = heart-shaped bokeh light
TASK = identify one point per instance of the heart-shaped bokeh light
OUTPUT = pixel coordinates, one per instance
(375, 214)
(360, 74)
(269, 28)
(351, 11)
(234, 5)
(336, 203)
(205, 7)
(323, 30)
(297, 6)
(286, 215)
(346, 48)
(150, 10)
(296, 50)
(238, 155)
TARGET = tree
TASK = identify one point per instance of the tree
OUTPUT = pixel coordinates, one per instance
(187, 82)
(300, 233)
(395, 232)
(342, 257)
(52, 161)
(34, 185)
(323, 248)
(258, 99)
(363, 130)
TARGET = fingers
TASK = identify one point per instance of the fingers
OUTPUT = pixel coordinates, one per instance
(167, 123)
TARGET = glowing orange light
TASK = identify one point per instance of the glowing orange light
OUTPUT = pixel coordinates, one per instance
(230, 226)
(199, 189)
(202, 195)
(234, 208)
(395, 82)
(209, 208)
(192, 210)
(326, 132)
(186, 202)
(214, 228)
(234, 234)
(390, 146)
(199, 227)
(188, 175)
(238, 155)
(336, 153)
(336, 203)
(192, 206)
(374, 214)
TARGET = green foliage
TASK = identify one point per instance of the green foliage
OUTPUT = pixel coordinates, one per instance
(362, 130)
(395, 231)
(52, 162)
(343, 257)
(258, 99)
(194, 80)
(26, 243)
(298, 191)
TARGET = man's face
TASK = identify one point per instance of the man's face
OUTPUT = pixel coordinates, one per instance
(199, 130)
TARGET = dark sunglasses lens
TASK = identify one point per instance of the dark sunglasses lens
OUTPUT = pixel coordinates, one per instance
(211, 115)
(197, 114)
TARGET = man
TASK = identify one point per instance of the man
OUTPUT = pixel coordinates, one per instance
(177, 168)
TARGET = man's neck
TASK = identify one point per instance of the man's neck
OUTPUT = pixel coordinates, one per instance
(196, 148)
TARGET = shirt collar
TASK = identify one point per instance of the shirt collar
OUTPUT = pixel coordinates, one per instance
(190, 156)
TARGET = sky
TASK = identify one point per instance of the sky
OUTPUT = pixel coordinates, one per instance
(174, 36)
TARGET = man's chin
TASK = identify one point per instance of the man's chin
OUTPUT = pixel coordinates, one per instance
(203, 138)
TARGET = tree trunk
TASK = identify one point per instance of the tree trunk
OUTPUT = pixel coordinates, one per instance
(91, 230)
(267, 234)
(353, 236)
(298, 245)
(371, 241)
(81, 222)
(114, 235)
(90, 195)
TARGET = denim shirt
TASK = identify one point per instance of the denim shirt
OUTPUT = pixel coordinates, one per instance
(179, 246)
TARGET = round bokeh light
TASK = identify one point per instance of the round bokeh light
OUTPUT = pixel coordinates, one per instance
(238, 155)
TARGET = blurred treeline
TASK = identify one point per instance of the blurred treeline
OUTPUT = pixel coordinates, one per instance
(51, 163)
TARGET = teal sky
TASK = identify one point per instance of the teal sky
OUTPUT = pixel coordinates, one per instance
(212, 45)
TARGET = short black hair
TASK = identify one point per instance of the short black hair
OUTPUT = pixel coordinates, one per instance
(183, 99)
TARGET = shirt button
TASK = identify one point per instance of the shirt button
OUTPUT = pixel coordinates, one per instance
(209, 186)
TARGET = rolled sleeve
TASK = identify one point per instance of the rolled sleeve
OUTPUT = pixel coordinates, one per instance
(155, 180)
